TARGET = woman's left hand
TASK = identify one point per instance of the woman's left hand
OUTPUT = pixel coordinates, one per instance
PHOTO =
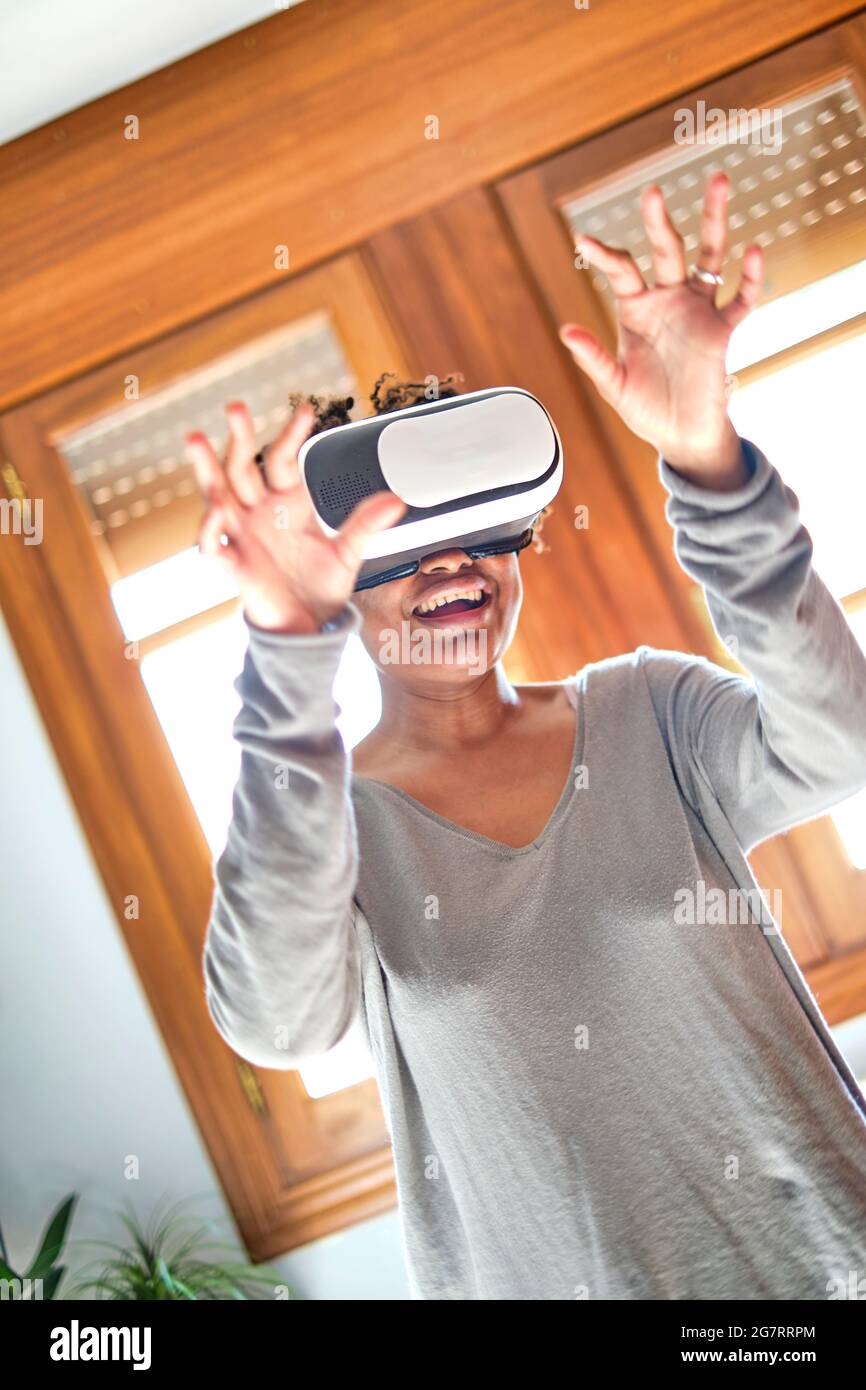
(669, 381)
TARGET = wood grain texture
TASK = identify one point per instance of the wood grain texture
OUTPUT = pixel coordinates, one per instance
(308, 130)
(839, 985)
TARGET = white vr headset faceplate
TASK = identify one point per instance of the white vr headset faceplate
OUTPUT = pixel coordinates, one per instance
(436, 453)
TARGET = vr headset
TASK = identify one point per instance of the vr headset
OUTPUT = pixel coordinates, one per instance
(474, 470)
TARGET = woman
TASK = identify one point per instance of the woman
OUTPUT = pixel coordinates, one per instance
(590, 1092)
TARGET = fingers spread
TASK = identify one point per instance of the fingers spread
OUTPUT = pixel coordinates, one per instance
(603, 370)
(714, 225)
(623, 275)
(241, 469)
(366, 520)
(281, 460)
(219, 538)
(226, 538)
(751, 283)
(207, 468)
(668, 252)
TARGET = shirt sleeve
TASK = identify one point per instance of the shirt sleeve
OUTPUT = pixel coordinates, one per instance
(787, 742)
(280, 959)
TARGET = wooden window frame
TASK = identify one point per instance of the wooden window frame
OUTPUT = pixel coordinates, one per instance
(533, 201)
(110, 243)
(293, 1168)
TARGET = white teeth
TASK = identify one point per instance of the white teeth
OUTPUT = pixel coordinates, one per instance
(472, 594)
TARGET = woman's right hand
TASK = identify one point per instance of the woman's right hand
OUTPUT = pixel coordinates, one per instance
(292, 576)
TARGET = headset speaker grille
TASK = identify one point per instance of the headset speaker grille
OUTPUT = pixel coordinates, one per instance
(343, 493)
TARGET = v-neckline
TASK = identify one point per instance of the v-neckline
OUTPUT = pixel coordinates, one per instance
(574, 689)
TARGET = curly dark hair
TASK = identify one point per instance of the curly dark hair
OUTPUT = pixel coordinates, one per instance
(388, 395)
(396, 395)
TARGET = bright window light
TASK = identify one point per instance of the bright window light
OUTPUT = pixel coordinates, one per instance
(345, 1065)
(850, 817)
(191, 686)
(166, 593)
(792, 318)
(857, 622)
(808, 419)
(190, 683)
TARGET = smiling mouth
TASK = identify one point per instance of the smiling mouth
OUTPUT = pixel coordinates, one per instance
(468, 604)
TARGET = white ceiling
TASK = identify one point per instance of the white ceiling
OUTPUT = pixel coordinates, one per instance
(55, 55)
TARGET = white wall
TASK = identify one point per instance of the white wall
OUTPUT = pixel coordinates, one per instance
(86, 1078)
(60, 55)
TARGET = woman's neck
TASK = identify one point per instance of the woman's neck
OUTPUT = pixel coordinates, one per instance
(446, 718)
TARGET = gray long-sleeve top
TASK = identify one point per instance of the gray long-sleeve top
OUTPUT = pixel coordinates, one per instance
(603, 1073)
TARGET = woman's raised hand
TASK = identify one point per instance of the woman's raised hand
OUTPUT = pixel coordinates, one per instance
(668, 381)
(262, 526)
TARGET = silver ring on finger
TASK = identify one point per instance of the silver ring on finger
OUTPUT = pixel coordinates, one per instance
(707, 277)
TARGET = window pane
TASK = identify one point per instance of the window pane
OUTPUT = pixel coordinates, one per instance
(795, 317)
(794, 174)
(165, 593)
(130, 467)
(190, 683)
(850, 821)
(807, 418)
(345, 1065)
(850, 817)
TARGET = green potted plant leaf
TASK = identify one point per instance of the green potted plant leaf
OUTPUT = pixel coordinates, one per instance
(42, 1278)
(171, 1259)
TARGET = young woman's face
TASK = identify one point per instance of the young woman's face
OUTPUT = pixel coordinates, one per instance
(418, 644)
